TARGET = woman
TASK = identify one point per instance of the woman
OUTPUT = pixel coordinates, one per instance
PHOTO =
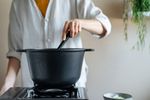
(43, 24)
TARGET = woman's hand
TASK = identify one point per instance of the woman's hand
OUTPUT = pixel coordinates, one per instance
(72, 26)
(5, 87)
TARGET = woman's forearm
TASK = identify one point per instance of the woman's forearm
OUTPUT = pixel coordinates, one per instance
(75, 26)
(12, 71)
(93, 26)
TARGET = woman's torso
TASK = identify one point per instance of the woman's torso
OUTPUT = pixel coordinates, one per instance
(40, 32)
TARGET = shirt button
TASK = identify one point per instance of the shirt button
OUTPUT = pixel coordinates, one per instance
(46, 20)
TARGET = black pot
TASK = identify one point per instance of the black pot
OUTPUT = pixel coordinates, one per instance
(55, 68)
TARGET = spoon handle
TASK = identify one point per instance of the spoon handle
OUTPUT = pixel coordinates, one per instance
(64, 41)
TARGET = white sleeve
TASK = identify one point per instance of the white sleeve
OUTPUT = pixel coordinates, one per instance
(87, 10)
(14, 34)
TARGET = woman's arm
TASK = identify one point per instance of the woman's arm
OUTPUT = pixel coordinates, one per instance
(93, 26)
(12, 71)
(75, 26)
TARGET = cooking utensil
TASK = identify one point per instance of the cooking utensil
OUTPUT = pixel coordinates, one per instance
(64, 41)
(55, 68)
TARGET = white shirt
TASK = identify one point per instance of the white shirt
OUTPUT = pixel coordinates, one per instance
(29, 29)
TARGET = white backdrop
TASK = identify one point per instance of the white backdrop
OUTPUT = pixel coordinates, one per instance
(113, 67)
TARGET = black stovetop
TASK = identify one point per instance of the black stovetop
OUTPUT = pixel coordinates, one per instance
(23, 93)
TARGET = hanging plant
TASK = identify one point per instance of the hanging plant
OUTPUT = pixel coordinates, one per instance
(137, 9)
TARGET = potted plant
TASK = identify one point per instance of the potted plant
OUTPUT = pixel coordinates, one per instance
(138, 10)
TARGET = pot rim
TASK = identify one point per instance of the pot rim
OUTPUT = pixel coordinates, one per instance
(55, 50)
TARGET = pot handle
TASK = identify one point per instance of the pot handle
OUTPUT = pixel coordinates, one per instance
(89, 50)
(21, 50)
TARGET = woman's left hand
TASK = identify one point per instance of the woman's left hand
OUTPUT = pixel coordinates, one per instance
(72, 26)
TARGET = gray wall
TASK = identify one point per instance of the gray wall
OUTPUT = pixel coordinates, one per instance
(114, 66)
